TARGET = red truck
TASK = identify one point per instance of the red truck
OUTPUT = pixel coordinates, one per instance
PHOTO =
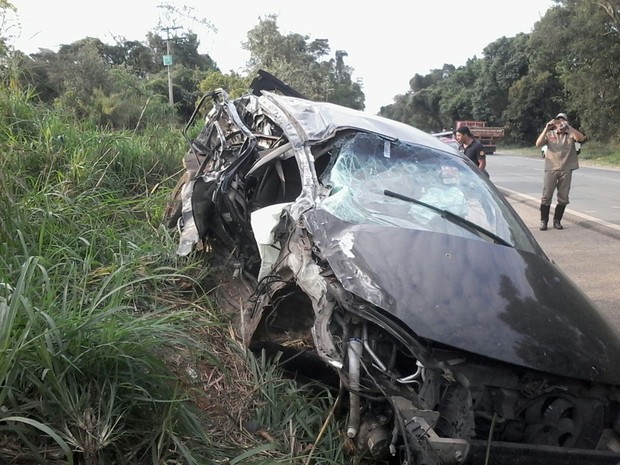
(487, 135)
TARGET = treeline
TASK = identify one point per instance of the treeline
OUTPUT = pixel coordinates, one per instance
(567, 63)
(127, 85)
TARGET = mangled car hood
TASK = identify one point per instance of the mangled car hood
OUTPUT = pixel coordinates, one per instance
(490, 300)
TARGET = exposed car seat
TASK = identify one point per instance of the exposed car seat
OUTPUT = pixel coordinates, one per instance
(281, 182)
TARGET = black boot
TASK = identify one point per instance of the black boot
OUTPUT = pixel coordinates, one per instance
(544, 216)
(557, 216)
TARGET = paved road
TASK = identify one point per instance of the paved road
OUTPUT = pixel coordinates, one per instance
(588, 249)
(594, 196)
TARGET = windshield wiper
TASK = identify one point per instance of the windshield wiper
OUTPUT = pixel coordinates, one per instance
(448, 215)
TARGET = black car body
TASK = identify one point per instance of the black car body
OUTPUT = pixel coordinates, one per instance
(396, 264)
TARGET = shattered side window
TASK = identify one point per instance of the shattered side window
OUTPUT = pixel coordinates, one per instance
(368, 165)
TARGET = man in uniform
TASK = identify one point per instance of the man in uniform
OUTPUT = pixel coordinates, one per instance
(472, 148)
(560, 161)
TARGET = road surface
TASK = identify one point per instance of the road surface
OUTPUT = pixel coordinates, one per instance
(594, 196)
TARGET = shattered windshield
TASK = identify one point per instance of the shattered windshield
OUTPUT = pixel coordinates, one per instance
(368, 165)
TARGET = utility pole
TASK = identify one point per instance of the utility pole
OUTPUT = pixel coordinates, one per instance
(168, 62)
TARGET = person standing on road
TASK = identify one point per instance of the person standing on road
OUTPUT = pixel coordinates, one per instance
(560, 162)
(472, 148)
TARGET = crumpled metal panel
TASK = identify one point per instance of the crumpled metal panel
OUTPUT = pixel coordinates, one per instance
(494, 301)
(321, 120)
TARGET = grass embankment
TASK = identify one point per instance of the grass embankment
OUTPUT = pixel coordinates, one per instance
(110, 349)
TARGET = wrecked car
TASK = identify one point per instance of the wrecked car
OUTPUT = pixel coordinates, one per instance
(380, 257)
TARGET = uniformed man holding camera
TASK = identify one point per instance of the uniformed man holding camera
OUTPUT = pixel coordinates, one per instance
(560, 162)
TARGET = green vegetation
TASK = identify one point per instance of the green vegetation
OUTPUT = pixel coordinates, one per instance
(567, 63)
(601, 154)
(110, 348)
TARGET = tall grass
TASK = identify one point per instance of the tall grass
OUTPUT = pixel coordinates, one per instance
(110, 348)
(86, 338)
(91, 367)
(607, 155)
(296, 421)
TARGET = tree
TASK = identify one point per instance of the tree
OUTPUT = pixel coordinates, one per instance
(232, 83)
(436, 100)
(8, 22)
(136, 56)
(527, 108)
(41, 72)
(504, 62)
(129, 103)
(343, 90)
(180, 18)
(185, 88)
(612, 8)
(82, 70)
(589, 70)
(184, 49)
(457, 90)
(301, 63)
(568, 63)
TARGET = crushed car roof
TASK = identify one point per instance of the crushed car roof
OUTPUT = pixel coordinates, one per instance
(320, 120)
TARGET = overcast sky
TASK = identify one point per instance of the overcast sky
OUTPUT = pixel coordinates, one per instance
(387, 42)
